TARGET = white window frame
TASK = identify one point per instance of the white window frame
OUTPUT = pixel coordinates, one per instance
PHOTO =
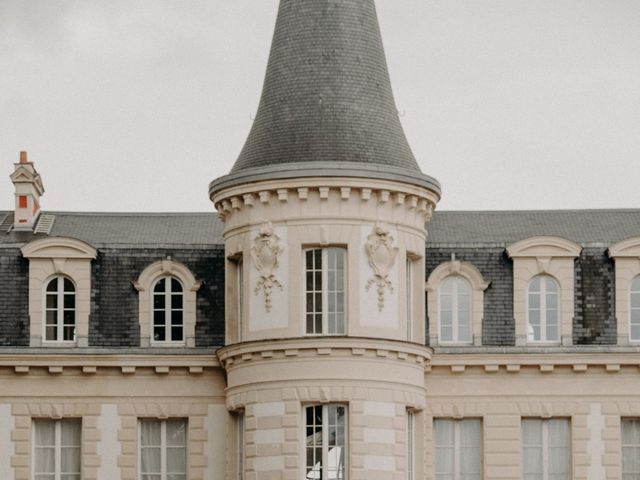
(324, 291)
(457, 445)
(163, 445)
(239, 264)
(410, 296)
(57, 444)
(543, 311)
(455, 321)
(325, 436)
(634, 446)
(168, 310)
(635, 283)
(59, 311)
(545, 445)
(145, 284)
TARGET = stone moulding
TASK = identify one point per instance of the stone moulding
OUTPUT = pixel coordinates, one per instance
(265, 252)
(382, 256)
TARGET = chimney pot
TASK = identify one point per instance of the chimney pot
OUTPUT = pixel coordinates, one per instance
(23, 157)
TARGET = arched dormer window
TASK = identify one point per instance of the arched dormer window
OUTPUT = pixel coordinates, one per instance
(626, 255)
(634, 310)
(543, 313)
(59, 276)
(168, 310)
(455, 310)
(60, 310)
(167, 304)
(455, 304)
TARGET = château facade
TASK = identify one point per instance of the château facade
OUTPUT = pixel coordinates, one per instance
(328, 323)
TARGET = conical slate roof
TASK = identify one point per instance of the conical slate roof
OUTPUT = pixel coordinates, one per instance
(327, 107)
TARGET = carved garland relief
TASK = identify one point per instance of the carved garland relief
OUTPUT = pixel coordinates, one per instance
(382, 255)
(265, 252)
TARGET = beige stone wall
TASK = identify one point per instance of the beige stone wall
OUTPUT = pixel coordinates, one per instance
(593, 391)
(58, 387)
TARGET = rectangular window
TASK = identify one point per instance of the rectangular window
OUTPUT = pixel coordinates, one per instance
(409, 287)
(325, 282)
(458, 449)
(410, 446)
(163, 449)
(57, 449)
(630, 448)
(326, 442)
(546, 449)
(22, 201)
(240, 419)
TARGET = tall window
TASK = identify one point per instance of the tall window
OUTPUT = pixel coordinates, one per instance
(630, 448)
(325, 291)
(458, 449)
(409, 287)
(326, 442)
(168, 310)
(57, 449)
(240, 426)
(410, 446)
(542, 311)
(455, 310)
(634, 309)
(60, 310)
(163, 449)
(546, 449)
(240, 296)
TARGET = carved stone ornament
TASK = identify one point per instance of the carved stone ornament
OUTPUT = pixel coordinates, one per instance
(382, 255)
(265, 251)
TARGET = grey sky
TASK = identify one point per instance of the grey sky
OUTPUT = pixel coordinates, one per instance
(135, 105)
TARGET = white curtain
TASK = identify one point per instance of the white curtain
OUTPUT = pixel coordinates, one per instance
(546, 449)
(630, 449)
(458, 449)
(150, 449)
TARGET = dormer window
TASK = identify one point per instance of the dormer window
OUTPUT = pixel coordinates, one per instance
(634, 310)
(60, 310)
(455, 310)
(325, 300)
(167, 304)
(168, 310)
(542, 310)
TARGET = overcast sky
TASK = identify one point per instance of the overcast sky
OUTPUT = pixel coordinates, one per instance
(135, 105)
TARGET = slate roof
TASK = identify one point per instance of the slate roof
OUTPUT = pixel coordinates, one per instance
(586, 227)
(127, 230)
(204, 230)
(327, 97)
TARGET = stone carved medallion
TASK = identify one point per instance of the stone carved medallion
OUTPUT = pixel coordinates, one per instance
(382, 256)
(265, 251)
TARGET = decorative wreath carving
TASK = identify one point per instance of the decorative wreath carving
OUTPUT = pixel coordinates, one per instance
(265, 251)
(382, 255)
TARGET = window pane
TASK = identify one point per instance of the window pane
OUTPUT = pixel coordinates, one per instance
(176, 302)
(177, 460)
(176, 317)
(534, 300)
(176, 286)
(70, 432)
(52, 286)
(160, 286)
(150, 460)
(69, 301)
(176, 433)
(70, 459)
(52, 301)
(150, 433)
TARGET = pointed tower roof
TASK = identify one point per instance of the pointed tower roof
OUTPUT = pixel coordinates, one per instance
(327, 107)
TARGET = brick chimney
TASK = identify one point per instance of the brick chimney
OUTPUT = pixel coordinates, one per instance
(28, 189)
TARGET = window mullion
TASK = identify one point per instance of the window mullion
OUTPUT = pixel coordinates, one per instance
(325, 293)
(163, 448)
(57, 467)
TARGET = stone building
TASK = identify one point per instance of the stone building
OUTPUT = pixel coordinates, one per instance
(328, 323)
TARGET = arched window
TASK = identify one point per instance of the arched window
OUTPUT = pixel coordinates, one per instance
(455, 310)
(60, 310)
(634, 309)
(168, 310)
(543, 309)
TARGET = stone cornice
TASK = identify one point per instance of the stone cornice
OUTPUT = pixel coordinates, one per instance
(24, 363)
(323, 347)
(545, 362)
